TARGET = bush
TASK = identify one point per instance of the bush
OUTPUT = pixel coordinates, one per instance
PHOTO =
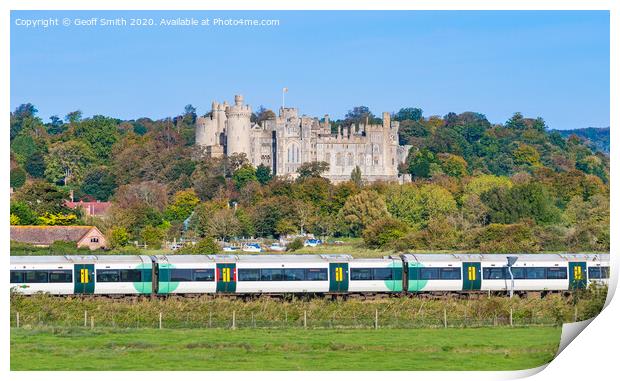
(152, 237)
(296, 244)
(498, 238)
(384, 232)
(18, 177)
(118, 237)
(204, 246)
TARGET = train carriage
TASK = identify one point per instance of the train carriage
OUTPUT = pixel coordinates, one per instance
(53, 274)
(185, 274)
(376, 275)
(287, 273)
(437, 272)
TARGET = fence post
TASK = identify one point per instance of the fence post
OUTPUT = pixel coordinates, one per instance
(253, 322)
(92, 322)
(511, 316)
(160, 320)
(575, 313)
(85, 318)
(445, 318)
(305, 320)
(233, 321)
(376, 318)
(17, 319)
(210, 316)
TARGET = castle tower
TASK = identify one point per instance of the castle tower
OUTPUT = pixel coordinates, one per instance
(238, 127)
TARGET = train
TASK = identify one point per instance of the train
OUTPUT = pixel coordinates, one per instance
(335, 274)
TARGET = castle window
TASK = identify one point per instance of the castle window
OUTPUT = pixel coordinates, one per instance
(350, 159)
(339, 159)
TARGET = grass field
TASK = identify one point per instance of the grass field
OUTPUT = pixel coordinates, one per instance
(292, 349)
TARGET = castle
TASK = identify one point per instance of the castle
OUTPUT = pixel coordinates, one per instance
(284, 143)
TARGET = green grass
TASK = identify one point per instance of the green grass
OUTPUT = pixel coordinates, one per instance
(292, 349)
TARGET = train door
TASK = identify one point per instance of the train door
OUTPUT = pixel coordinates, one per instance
(338, 277)
(472, 277)
(84, 279)
(577, 275)
(414, 283)
(226, 275)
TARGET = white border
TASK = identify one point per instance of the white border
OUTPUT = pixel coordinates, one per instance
(591, 355)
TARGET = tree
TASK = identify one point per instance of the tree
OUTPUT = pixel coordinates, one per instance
(363, 209)
(55, 127)
(57, 219)
(118, 237)
(422, 163)
(358, 115)
(223, 224)
(147, 194)
(182, 205)
(453, 165)
(526, 155)
(418, 205)
(523, 201)
(17, 177)
(356, 176)
(68, 161)
(263, 174)
(244, 175)
(409, 113)
(99, 183)
(42, 197)
(74, 117)
(152, 237)
(312, 169)
(100, 133)
(24, 119)
(23, 213)
(384, 233)
(262, 114)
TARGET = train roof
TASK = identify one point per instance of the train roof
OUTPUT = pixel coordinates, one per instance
(77, 259)
(503, 257)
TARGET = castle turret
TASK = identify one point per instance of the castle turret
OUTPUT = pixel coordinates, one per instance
(238, 127)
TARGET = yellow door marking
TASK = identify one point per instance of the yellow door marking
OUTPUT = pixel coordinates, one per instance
(471, 273)
(577, 272)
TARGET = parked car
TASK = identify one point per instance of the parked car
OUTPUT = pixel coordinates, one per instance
(277, 247)
(312, 242)
(231, 248)
(252, 248)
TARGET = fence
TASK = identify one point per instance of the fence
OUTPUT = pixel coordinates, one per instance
(236, 320)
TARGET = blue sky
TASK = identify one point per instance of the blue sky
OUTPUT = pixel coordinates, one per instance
(553, 64)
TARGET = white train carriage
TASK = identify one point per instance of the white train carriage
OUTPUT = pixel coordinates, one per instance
(531, 272)
(376, 275)
(436, 272)
(186, 274)
(121, 274)
(285, 273)
(52, 274)
(598, 268)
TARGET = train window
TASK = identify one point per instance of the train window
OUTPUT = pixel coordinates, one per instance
(105, 276)
(131, 276)
(450, 273)
(595, 272)
(382, 274)
(61, 276)
(17, 277)
(35, 277)
(271, 274)
(316, 274)
(535, 273)
(294, 274)
(494, 273)
(556, 272)
(249, 275)
(181, 275)
(361, 274)
(429, 273)
(204, 275)
(517, 273)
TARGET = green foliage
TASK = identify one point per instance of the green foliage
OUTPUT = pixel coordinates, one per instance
(204, 246)
(295, 245)
(363, 209)
(417, 205)
(23, 213)
(530, 200)
(15, 220)
(42, 197)
(244, 175)
(263, 174)
(420, 163)
(99, 183)
(452, 165)
(497, 238)
(18, 177)
(312, 169)
(356, 176)
(67, 162)
(384, 233)
(526, 155)
(183, 204)
(57, 219)
(100, 133)
(152, 236)
(118, 237)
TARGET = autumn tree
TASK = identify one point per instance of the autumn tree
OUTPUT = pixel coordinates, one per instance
(362, 209)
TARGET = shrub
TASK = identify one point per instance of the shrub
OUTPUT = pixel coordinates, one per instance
(384, 232)
(296, 244)
(205, 246)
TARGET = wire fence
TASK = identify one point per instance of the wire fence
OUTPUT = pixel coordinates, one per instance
(236, 320)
